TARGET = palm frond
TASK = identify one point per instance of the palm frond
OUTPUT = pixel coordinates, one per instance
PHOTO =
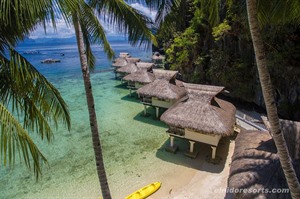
(30, 93)
(15, 139)
(18, 18)
(92, 27)
(278, 12)
(126, 19)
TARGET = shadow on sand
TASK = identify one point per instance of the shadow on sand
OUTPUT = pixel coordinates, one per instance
(132, 98)
(150, 118)
(122, 86)
(200, 162)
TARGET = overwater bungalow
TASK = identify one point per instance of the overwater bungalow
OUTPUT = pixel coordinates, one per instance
(123, 59)
(127, 69)
(124, 55)
(138, 79)
(145, 65)
(132, 60)
(118, 63)
(158, 59)
(200, 117)
(256, 166)
(163, 92)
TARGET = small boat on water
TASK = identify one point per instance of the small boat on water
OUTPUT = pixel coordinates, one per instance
(49, 61)
(145, 191)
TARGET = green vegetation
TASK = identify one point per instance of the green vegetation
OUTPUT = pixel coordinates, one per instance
(215, 47)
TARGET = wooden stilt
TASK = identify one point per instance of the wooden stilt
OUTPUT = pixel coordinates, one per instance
(214, 150)
(192, 153)
(157, 112)
(171, 141)
(145, 109)
(172, 148)
(191, 146)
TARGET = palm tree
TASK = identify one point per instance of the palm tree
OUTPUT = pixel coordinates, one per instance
(265, 81)
(28, 101)
(88, 30)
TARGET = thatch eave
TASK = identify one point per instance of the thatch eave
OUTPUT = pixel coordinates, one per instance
(128, 69)
(162, 89)
(164, 74)
(133, 60)
(202, 117)
(140, 76)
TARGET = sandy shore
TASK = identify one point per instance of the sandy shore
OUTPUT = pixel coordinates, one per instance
(200, 179)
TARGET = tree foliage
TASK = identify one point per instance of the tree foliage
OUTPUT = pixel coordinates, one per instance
(215, 47)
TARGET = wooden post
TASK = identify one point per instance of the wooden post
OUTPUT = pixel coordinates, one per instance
(214, 150)
(157, 112)
(130, 92)
(145, 109)
(172, 148)
(191, 146)
(171, 141)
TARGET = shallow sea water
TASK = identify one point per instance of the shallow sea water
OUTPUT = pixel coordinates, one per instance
(130, 144)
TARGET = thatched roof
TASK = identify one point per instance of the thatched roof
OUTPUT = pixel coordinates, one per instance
(164, 74)
(162, 89)
(255, 165)
(132, 59)
(119, 62)
(202, 111)
(157, 57)
(124, 54)
(179, 83)
(129, 68)
(144, 65)
(201, 117)
(200, 89)
(141, 76)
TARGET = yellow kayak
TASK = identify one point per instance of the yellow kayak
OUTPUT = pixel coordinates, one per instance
(145, 191)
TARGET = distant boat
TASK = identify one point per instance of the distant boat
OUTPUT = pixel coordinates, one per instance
(49, 61)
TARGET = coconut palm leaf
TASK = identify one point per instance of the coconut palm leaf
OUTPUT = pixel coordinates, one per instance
(19, 17)
(15, 139)
(278, 12)
(34, 101)
(125, 19)
(93, 32)
(28, 91)
(164, 8)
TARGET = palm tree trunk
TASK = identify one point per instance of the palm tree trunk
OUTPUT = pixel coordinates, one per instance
(269, 99)
(92, 113)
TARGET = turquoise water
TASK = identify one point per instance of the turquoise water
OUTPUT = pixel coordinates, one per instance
(130, 141)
